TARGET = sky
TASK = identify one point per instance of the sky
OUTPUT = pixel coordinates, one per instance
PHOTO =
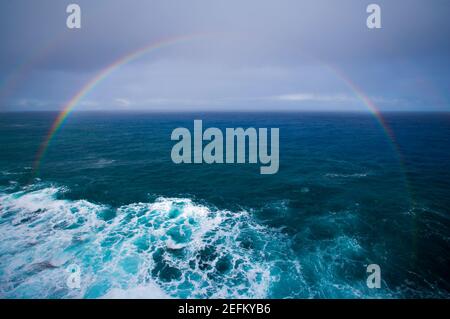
(265, 55)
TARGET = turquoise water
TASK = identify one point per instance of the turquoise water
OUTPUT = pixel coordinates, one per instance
(108, 198)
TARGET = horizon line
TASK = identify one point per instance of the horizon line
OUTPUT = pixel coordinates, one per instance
(225, 111)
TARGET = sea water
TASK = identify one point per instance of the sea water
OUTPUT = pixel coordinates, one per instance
(107, 197)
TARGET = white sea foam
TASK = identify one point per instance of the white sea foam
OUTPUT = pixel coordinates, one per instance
(148, 291)
(172, 247)
(354, 175)
(101, 163)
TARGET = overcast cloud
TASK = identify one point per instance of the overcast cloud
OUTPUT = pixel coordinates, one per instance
(255, 55)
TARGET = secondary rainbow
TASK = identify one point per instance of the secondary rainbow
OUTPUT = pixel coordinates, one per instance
(23, 71)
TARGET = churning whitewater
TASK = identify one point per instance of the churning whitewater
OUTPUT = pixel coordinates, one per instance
(169, 248)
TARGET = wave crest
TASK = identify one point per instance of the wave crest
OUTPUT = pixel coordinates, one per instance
(185, 249)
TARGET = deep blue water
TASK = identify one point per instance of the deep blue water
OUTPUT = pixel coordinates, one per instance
(108, 198)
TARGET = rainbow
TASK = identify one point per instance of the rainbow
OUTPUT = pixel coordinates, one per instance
(370, 105)
(89, 86)
(366, 100)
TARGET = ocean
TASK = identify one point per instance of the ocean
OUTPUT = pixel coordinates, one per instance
(107, 197)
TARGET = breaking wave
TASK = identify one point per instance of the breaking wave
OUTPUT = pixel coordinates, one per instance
(171, 247)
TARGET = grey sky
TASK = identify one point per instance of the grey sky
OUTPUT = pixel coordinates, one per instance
(258, 55)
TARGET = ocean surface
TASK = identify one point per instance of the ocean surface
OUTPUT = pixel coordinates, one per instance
(108, 198)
